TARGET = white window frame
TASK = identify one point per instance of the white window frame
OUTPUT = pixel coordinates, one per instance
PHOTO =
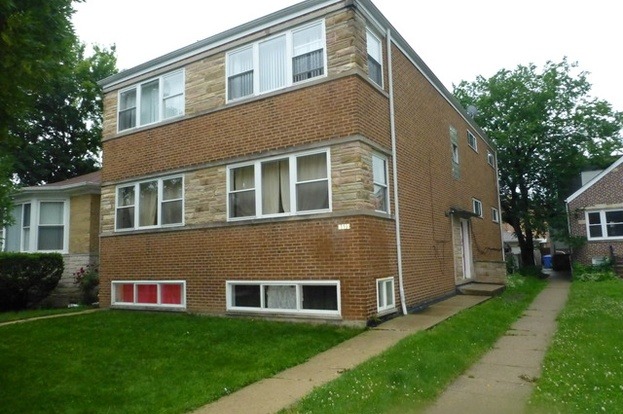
(289, 55)
(370, 35)
(603, 223)
(298, 284)
(477, 207)
(161, 99)
(292, 163)
(472, 141)
(158, 305)
(490, 158)
(136, 185)
(385, 184)
(495, 215)
(382, 303)
(35, 217)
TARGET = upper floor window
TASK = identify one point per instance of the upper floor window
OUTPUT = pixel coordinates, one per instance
(604, 224)
(277, 62)
(495, 215)
(471, 141)
(152, 101)
(39, 226)
(477, 207)
(375, 58)
(490, 158)
(379, 174)
(454, 151)
(279, 186)
(153, 203)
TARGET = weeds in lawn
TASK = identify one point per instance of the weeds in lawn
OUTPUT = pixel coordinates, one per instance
(583, 369)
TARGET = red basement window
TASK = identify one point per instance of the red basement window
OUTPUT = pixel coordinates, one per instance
(159, 294)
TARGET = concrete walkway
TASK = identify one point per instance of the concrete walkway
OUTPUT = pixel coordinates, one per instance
(284, 389)
(502, 381)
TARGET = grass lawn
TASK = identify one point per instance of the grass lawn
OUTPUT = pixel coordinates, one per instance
(413, 373)
(27, 314)
(135, 362)
(583, 370)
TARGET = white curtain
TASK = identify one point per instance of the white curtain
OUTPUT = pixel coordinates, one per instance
(148, 204)
(51, 228)
(275, 187)
(280, 297)
(272, 63)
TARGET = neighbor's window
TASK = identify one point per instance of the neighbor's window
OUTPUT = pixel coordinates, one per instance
(375, 58)
(38, 226)
(153, 203)
(379, 173)
(471, 141)
(159, 294)
(151, 101)
(477, 207)
(307, 297)
(604, 224)
(495, 215)
(287, 185)
(385, 294)
(277, 62)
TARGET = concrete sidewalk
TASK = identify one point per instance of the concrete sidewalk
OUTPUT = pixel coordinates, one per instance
(502, 381)
(284, 389)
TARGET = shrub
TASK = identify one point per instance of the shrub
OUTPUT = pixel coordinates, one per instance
(88, 280)
(594, 273)
(28, 278)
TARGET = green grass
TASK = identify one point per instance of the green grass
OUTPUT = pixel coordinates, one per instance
(28, 314)
(134, 362)
(413, 373)
(583, 371)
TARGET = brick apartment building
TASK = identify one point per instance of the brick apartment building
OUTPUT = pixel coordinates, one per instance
(595, 212)
(269, 169)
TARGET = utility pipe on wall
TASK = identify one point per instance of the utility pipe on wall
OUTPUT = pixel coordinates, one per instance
(392, 126)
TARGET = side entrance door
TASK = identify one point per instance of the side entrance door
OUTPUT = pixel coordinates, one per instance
(466, 247)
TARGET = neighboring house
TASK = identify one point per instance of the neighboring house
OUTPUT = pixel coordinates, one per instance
(267, 170)
(511, 244)
(595, 211)
(62, 217)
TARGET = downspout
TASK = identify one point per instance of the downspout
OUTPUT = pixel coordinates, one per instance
(392, 126)
(569, 231)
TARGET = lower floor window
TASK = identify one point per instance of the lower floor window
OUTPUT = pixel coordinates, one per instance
(385, 294)
(285, 296)
(149, 293)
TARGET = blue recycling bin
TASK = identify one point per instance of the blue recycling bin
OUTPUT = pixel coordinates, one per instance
(547, 261)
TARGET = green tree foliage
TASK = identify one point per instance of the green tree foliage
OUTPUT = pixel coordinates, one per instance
(50, 103)
(547, 129)
(61, 136)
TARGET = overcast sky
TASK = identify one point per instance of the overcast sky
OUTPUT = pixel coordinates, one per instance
(457, 39)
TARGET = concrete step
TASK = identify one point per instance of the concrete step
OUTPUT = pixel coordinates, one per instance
(481, 289)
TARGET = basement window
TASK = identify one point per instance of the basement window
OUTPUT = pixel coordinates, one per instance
(385, 294)
(290, 297)
(156, 294)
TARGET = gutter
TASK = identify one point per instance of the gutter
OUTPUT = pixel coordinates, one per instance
(392, 125)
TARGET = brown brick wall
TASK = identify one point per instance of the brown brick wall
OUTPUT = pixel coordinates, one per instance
(607, 193)
(84, 224)
(427, 188)
(294, 250)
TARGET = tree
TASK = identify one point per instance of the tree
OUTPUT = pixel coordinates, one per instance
(547, 129)
(60, 137)
(35, 38)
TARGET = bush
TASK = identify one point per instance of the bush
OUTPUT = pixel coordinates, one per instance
(594, 273)
(27, 278)
(88, 280)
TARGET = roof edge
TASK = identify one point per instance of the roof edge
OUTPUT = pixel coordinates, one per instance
(594, 180)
